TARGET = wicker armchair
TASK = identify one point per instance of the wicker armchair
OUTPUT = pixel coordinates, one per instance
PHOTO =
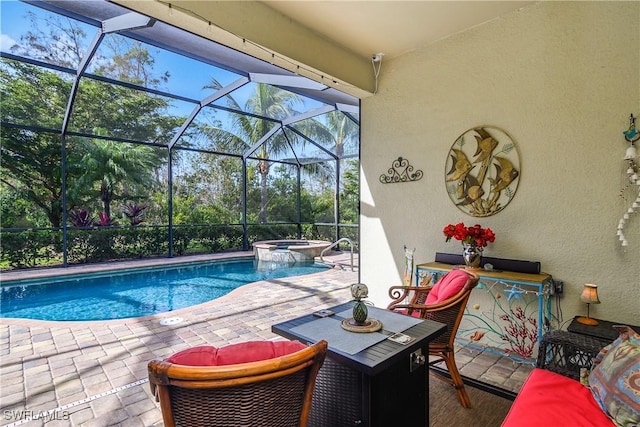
(414, 301)
(269, 393)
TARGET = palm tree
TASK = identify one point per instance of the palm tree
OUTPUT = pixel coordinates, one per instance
(247, 130)
(335, 132)
(273, 102)
(116, 167)
(342, 130)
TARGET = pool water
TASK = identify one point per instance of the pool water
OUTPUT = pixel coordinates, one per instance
(140, 292)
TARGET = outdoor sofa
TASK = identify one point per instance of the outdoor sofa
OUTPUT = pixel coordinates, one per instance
(579, 383)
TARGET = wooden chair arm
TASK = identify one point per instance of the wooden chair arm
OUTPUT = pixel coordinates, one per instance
(399, 293)
(407, 289)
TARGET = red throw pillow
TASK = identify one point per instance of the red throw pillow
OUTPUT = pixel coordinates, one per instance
(447, 286)
(197, 356)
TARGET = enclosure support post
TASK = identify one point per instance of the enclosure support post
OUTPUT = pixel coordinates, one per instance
(245, 238)
(170, 202)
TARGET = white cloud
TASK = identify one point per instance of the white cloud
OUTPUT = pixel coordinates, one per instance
(6, 42)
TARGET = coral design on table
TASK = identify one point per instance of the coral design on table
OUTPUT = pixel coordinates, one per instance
(504, 317)
(521, 332)
(510, 325)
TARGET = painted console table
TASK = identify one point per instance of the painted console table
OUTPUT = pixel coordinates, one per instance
(507, 312)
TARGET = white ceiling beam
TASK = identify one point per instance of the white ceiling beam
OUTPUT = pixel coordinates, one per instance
(128, 21)
(347, 108)
(288, 81)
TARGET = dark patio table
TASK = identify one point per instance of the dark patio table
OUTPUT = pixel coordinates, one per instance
(367, 379)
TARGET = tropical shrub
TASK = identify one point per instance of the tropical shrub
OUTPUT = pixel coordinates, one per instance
(80, 217)
(134, 211)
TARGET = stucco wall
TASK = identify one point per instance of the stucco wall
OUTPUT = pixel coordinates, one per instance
(561, 78)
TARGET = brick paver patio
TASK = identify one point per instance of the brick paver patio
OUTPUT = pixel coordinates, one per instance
(95, 373)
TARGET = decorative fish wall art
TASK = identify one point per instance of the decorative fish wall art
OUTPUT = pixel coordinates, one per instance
(482, 171)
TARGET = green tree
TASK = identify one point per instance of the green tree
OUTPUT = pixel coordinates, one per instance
(131, 62)
(350, 194)
(54, 39)
(31, 158)
(247, 130)
(206, 188)
(339, 133)
(117, 169)
(17, 212)
(36, 97)
(343, 131)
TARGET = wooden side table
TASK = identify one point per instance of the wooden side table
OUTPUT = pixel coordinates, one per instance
(603, 331)
(498, 308)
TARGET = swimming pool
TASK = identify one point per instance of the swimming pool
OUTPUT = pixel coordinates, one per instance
(137, 292)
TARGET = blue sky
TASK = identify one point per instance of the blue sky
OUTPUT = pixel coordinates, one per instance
(187, 77)
(8, 24)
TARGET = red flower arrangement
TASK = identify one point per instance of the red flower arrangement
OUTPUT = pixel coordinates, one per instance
(475, 236)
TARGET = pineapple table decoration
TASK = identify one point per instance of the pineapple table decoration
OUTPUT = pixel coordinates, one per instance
(360, 312)
(360, 322)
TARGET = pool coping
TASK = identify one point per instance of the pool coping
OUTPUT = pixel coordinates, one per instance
(37, 273)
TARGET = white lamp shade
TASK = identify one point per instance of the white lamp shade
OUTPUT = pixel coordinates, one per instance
(590, 294)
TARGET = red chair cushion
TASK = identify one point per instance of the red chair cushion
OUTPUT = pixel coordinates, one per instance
(549, 399)
(447, 286)
(197, 356)
(253, 351)
(245, 352)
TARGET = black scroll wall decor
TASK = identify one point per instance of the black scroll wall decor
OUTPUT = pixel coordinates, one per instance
(400, 171)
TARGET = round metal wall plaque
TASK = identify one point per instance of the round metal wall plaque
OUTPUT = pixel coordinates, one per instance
(482, 171)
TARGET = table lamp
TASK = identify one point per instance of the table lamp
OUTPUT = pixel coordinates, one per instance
(589, 296)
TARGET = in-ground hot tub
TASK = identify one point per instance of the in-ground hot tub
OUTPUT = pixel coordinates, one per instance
(288, 250)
